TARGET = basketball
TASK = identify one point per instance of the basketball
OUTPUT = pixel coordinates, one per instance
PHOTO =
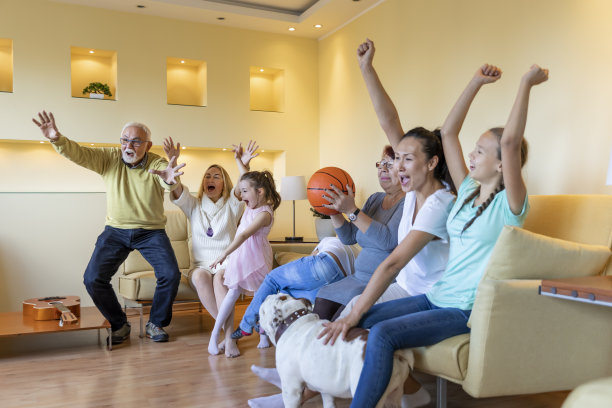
(320, 181)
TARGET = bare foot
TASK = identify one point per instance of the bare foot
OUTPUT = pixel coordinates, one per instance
(263, 342)
(231, 350)
(221, 346)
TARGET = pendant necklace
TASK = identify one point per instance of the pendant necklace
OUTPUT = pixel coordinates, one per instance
(209, 231)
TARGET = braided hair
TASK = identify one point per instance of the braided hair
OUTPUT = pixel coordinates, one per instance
(497, 131)
(265, 180)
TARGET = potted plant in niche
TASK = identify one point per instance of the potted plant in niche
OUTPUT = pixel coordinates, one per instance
(323, 225)
(97, 90)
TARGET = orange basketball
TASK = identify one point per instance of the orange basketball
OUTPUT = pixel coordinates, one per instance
(321, 180)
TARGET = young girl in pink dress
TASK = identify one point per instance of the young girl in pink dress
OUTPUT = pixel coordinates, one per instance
(251, 253)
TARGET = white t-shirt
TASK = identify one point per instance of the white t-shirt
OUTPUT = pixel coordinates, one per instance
(222, 217)
(427, 266)
(345, 253)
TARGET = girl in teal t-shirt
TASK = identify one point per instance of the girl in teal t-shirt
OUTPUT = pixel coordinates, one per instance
(492, 194)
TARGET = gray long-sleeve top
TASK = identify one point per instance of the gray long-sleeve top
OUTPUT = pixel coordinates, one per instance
(379, 240)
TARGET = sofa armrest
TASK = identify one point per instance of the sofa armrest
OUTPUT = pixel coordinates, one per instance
(522, 342)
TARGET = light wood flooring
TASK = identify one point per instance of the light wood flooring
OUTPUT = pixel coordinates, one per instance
(73, 370)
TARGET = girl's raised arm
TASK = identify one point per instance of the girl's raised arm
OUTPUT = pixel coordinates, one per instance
(243, 158)
(453, 123)
(512, 138)
(384, 107)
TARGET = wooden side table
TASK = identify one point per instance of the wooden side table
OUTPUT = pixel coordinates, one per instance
(16, 324)
(591, 289)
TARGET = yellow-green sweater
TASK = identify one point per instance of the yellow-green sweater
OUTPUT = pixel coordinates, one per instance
(134, 197)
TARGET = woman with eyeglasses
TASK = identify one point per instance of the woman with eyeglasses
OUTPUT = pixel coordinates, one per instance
(374, 227)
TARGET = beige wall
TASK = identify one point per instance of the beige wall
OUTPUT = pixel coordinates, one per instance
(426, 52)
(47, 238)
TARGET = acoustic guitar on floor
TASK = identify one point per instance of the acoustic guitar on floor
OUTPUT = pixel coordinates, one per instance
(65, 308)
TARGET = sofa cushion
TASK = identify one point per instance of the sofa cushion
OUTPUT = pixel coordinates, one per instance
(447, 359)
(135, 262)
(141, 286)
(283, 258)
(520, 254)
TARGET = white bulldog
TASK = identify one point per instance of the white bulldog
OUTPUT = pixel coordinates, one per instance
(302, 360)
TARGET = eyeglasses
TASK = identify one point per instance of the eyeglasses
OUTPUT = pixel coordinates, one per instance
(384, 164)
(134, 142)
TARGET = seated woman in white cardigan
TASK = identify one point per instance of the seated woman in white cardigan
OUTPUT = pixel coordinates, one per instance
(214, 217)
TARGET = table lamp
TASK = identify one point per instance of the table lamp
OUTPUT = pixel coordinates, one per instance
(293, 188)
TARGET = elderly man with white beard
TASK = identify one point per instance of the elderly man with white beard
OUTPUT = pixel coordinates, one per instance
(134, 220)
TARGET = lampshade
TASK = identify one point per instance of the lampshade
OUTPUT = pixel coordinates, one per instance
(609, 178)
(293, 188)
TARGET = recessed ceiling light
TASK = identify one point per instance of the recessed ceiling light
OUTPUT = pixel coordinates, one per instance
(220, 18)
(291, 28)
(318, 26)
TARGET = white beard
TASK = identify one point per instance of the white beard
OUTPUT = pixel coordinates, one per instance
(130, 159)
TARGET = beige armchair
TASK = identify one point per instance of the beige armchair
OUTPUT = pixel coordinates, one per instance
(522, 342)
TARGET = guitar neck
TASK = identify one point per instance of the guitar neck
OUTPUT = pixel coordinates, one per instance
(67, 315)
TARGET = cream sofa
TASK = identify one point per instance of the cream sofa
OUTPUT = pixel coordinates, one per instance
(136, 278)
(522, 342)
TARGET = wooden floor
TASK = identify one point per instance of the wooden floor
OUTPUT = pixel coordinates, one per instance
(60, 370)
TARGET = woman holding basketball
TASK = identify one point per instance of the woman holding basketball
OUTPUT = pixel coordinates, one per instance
(492, 194)
(374, 227)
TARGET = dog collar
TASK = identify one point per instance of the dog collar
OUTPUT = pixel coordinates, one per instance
(284, 325)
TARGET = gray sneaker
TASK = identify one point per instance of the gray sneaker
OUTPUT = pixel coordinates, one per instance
(156, 333)
(119, 336)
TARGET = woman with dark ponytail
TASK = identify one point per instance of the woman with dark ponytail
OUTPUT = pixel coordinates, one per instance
(473, 227)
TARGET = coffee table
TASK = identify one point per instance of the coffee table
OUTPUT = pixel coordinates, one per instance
(16, 324)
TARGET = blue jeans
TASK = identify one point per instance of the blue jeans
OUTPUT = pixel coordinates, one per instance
(112, 248)
(398, 324)
(301, 278)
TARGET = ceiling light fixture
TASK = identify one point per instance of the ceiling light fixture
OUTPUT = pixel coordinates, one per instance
(318, 26)
(291, 28)
(91, 51)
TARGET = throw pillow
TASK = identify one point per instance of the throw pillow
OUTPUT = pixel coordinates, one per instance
(521, 254)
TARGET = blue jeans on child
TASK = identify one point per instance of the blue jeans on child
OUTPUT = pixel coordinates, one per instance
(112, 248)
(398, 324)
(301, 278)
